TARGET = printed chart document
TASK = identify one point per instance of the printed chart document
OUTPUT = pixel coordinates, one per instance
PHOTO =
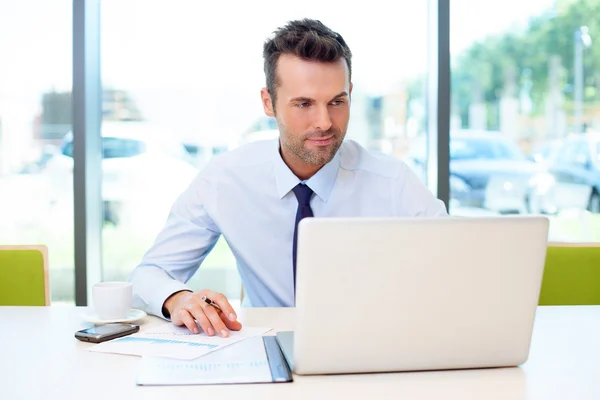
(168, 340)
(256, 360)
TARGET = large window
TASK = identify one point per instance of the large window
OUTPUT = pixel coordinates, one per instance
(181, 84)
(36, 201)
(526, 112)
(187, 75)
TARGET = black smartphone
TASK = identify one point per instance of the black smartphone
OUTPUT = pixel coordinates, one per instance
(102, 333)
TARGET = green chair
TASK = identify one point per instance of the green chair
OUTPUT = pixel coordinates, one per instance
(571, 275)
(24, 276)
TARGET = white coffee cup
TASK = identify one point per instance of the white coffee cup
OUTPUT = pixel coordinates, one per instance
(112, 300)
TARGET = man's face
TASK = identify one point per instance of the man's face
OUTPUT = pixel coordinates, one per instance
(312, 108)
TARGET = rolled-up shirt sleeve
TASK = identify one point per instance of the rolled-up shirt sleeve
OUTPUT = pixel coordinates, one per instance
(183, 243)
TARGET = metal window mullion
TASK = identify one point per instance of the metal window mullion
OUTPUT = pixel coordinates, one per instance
(438, 100)
(87, 114)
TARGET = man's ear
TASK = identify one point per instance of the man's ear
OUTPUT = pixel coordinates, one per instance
(267, 102)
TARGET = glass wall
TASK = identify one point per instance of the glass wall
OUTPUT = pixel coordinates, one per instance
(36, 193)
(526, 112)
(182, 83)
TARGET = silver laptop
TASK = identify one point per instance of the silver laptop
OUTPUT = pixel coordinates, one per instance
(398, 294)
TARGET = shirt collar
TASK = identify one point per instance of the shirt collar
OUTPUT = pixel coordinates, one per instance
(321, 183)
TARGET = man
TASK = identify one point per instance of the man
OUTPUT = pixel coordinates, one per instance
(255, 195)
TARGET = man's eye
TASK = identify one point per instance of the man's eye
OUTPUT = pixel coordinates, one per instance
(337, 102)
(302, 105)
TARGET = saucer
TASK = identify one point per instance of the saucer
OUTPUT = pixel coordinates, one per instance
(133, 315)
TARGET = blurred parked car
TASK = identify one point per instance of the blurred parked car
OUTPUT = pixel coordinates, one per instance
(544, 152)
(46, 153)
(575, 167)
(488, 170)
(143, 168)
(201, 153)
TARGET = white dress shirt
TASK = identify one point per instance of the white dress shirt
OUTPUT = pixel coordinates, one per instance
(246, 196)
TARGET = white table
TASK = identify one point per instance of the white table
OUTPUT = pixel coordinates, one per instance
(40, 358)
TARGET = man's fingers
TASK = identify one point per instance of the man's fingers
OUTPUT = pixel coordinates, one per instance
(226, 308)
(176, 318)
(186, 318)
(211, 319)
(232, 325)
(215, 319)
(198, 313)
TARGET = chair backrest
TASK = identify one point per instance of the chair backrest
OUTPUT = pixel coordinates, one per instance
(24, 276)
(571, 274)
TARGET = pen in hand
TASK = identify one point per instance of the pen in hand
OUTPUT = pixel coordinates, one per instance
(212, 303)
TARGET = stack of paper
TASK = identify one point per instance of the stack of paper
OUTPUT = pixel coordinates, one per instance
(173, 341)
(244, 362)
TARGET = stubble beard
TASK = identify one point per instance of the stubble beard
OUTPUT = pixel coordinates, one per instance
(319, 156)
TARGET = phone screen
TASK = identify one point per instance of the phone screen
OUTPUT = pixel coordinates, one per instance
(101, 333)
(109, 329)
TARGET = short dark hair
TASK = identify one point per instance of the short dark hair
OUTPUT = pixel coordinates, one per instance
(307, 39)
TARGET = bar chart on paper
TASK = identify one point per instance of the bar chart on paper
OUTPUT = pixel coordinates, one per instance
(173, 342)
(164, 341)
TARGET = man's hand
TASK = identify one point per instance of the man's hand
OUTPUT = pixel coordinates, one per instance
(186, 308)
